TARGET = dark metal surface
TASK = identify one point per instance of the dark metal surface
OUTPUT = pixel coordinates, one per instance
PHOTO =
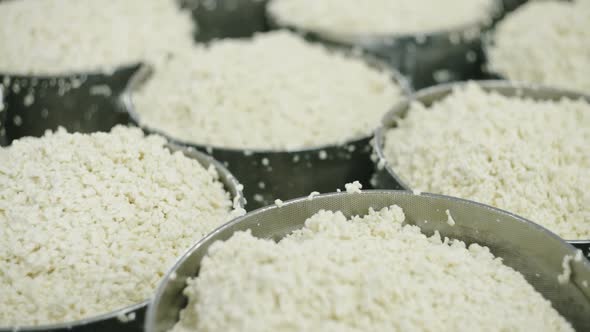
(226, 18)
(111, 321)
(425, 59)
(78, 102)
(523, 245)
(510, 5)
(3, 111)
(268, 175)
(386, 178)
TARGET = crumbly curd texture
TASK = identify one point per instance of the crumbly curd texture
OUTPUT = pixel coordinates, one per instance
(90, 223)
(529, 157)
(545, 42)
(380, 17)
(64, 36)
(274, 91)
(369, 273)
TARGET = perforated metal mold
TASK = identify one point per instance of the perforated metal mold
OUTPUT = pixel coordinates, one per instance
(270, 174)
(385, 177)
(523, 245)
(426, 58)
(115, 320)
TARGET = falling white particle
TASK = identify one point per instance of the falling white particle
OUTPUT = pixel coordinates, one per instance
(450, 219)
(100, 90)
(373, 182)
(442, 75)
(17, 120)
(353, 188)
(265, 161)
(323, 155)
(28, 100)
(261, 185)
(471, 56)
(258, 198)
(420, 39)
(278, 202)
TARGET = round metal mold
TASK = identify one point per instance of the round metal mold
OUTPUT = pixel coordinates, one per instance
(527, 247)
(424, 58)
(131, 318)
(270, 174)
(385, 177)
(78, 102)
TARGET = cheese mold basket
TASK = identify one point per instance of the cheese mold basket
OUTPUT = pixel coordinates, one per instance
(526, 247)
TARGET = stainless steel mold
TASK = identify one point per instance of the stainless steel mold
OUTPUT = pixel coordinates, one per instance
(425, 59)
(268, 174)
(386, 177)
(115, 320)
(528, 248)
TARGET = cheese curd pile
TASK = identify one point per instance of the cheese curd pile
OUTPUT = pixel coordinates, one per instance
(545, 42)
(91, 223)
(370, 273)
(274, 91)
(64, 36)
(524, 156)
(381, 17)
